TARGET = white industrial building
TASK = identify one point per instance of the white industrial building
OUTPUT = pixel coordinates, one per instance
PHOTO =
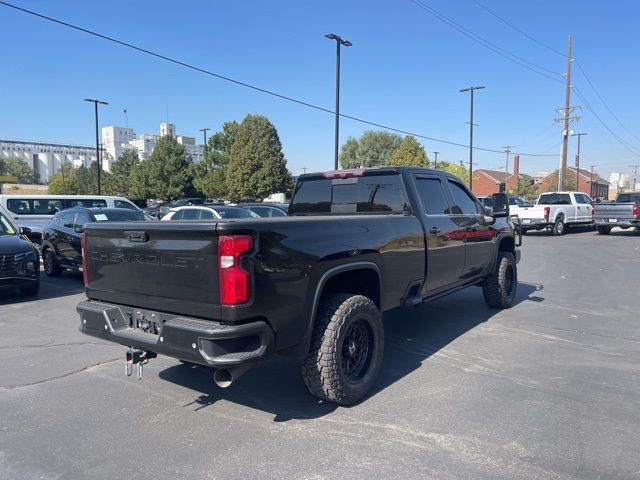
(47, 158)
(116, 140)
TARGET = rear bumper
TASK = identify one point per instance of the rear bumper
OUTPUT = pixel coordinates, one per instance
(535, 223)
(18, 281)
(198, 341)
(624, 222)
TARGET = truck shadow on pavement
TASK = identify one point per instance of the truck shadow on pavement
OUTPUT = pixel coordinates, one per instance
(412, 335)
(68, 283)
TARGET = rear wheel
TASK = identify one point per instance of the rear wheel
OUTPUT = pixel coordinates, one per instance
(51, 265)
(346, 349)
(559, 228)
(604, 230)
(499, 289)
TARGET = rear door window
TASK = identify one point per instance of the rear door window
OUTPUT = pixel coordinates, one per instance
(46, 206)
(206, 214)
(432, 195)
(123, 204)
(86, 202)
(190, 214)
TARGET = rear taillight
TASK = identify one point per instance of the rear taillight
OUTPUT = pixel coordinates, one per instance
(547, 213)
(235, 282)
(636, 210)
(85, 274)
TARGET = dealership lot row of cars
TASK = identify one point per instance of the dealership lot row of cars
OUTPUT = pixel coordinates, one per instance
(50, 227)
(56, 223)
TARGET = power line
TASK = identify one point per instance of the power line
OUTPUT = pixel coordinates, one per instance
(562, 54)
(603, 102)
(621, 141)
(250, 86)
(489, 45)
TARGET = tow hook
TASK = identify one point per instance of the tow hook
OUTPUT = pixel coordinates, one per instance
(137, 357)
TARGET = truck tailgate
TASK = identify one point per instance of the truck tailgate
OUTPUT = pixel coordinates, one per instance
(618, 211)
(167, 266)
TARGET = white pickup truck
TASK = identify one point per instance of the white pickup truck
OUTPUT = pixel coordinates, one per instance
(557, 211)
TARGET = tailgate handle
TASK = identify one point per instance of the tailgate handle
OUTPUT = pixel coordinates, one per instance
(136, 236)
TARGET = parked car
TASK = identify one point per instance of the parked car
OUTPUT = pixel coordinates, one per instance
(62, 239)
(19, 258)
(181, 202)
(265, 209)
(557, 211)
(515, 203)
(208, 212)
(310, 286)
(623, 213)
(36, 211)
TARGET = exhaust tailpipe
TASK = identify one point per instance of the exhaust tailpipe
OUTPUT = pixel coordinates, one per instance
(224, 377)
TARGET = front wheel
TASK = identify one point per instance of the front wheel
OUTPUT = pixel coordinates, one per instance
(499, 288)
(346, 349)
(604, 230)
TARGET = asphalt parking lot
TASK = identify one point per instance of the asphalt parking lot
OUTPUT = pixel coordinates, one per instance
(547, 389)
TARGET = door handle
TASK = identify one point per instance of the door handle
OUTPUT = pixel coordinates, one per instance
(470, 229)
(434, 230)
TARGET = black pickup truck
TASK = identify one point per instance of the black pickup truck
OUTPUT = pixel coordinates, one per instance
(310, 286)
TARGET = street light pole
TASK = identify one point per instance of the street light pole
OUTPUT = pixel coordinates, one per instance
(471, 89)
(578, 160)
(339, 41)
(435, 164)
(98, 159)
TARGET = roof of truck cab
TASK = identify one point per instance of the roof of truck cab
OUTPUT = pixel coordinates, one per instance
(379, 170)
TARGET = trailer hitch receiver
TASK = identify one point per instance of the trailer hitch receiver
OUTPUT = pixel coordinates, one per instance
(137, 357)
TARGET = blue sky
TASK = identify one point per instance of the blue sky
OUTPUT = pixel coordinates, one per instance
(404, 70)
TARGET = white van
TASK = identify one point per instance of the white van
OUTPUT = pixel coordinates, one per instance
(36, 211)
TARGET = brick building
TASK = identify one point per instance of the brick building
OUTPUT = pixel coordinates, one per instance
(599, 188)
(487, 182)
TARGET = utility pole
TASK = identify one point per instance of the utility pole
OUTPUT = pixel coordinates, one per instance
(578, 160)
(635, 175)
(304, 170)
(126, 118)
(591, 182)
(204, 132)
(95, 103)
(507, 150)
(471, 89)
(566, 119)
(435, 164)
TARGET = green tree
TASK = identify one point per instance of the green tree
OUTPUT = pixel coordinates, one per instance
(457, 169)
(374, 149)
(166, 174)
(257, 167)
(15, 167)
(210, 173)
(526, 188)
(409, 154)
(119, 182)
(349, 157)
(64, 181)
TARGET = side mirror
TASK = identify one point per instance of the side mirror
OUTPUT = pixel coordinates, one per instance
(79, 229)
(25, 231)
(500, 205)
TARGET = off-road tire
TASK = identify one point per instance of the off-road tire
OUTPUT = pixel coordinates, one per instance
(604, 230)
(499, 288)
(559, 228)
(51, 266)
(30, 290)
(323, 371)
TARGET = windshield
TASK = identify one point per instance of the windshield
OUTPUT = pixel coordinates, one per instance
(6, 228)
(123, 215)
(236, 213)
